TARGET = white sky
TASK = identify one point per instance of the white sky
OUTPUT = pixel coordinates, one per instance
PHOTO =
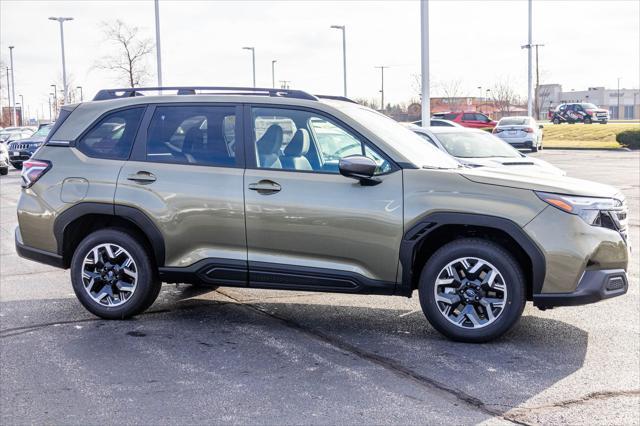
(588, 43)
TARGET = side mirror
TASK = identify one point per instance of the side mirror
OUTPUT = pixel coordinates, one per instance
(359, 167)
(540, 126)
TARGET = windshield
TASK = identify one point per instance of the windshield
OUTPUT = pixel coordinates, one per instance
(514, 121)
(476, 145)
(42, 131)
(406, 142)
(588, 106)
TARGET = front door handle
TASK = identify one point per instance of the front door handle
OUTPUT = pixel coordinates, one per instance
(142, 177)
(265, 187)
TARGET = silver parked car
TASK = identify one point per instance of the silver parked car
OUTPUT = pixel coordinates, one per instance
(520, 132)
(476, 148)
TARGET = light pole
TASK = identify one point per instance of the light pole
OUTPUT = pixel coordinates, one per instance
(158, 50)
(50, 114)
(479, 97)
(13, 88)
(273, 73)
(55, 100)
(22, 109)
(81, 97)
(8, 91)
(528, 46)
(424, 62)
(344, 55)
(253, 60)
(618, 115)
(61, 20)
(382, 67)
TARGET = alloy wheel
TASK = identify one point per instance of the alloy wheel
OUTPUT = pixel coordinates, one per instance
(109, 274)
(470, 292)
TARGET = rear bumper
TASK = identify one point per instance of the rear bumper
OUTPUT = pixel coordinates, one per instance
(593, 286)
(37, 255)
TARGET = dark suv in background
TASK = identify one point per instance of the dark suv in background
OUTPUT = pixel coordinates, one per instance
(23, 149)
(586, 113)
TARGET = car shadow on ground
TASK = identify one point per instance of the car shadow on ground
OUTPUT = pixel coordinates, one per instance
(496, 376)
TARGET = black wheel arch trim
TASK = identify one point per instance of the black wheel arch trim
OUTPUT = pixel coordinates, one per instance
(131, 214)
(416, 235)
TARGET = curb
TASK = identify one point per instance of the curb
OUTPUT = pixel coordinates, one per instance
(585, 149)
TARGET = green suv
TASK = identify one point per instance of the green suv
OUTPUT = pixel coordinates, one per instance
(280, 189)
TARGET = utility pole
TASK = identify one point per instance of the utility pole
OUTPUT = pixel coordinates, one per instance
(344, 56)
(13, 88)
(537, 106)
(382, 67)
(55, 100)
(82, 98)
(253, 59)
(22, 109)
(8, 93)
(50, 114)
(618, 115)
(479, 97)
(528, 46)
(158, 49)
(62, 20)
(273, 73)
(424, 62)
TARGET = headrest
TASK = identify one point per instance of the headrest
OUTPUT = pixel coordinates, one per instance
(299, 144)
(271, 141)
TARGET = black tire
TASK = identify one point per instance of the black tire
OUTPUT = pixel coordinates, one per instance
(603, 122)
(587, 120)
(498, 257)
(534, 148)
(147, 287)
(17, 166)
(4, 171)
(556, 121)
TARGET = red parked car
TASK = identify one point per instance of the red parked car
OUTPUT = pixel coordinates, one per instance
(476, 120)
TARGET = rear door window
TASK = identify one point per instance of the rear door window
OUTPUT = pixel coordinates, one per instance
(469, 117)
(198, 135)
(112, 137)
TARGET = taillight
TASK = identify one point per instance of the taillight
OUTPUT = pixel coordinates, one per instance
(529, 130)
(32, 170)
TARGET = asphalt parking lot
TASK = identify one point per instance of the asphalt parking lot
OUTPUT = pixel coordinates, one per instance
(252, 356)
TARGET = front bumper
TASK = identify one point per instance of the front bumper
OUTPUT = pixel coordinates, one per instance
(593, 286)
(19, 156)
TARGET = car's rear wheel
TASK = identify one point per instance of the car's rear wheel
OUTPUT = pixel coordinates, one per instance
(17, 166)
(556, 121)
(113, 275)
(472, 290)
(4, 171)
(534, 148)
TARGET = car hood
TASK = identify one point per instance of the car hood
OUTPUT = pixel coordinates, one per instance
(541, 181)
(30, 139)
(515, 164)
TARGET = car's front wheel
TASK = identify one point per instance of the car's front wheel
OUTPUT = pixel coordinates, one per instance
(113, 275)
(556, 121)
(4, 171)
(472, 290)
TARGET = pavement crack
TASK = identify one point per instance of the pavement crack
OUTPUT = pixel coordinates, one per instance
(381, 361)
(593, 396)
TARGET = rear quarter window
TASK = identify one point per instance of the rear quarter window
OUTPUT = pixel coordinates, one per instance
(112, 136)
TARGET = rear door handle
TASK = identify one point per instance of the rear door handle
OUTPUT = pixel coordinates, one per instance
(265, 187)
(142, 177)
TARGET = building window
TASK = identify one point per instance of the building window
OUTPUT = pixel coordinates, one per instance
(613, 112)
(629, 112)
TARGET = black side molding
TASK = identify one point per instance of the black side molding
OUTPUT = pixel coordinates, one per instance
(419, 234)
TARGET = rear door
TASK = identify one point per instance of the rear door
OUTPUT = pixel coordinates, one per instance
(308, 227)
(186, 175)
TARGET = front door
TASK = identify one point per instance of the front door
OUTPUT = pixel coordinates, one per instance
(186, 175)
(308, 227)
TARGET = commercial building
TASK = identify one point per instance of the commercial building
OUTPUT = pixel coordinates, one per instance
(622, 104)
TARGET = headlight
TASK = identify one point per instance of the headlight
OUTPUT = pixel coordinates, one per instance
(588, 208)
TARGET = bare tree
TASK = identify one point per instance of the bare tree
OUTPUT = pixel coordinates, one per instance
(130, 59)
(369, 103)
(504, 96)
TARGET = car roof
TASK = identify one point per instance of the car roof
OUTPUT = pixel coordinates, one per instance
(441, 129)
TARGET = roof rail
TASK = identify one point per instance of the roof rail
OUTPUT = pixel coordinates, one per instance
(191, 90)
(336, 98)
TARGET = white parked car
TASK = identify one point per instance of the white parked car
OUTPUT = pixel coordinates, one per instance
(477, 148)
(520, 132)
(4, 159)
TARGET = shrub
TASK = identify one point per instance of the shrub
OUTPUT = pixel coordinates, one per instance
(629, 138)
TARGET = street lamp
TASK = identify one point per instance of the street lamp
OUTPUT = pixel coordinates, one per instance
(81, 97)
(158, 50)
(13, 88)
(253, 59)
(424, 62)
(344, 55)
(273, 73)
(61, 20)
(382, 67)
(50, 115)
